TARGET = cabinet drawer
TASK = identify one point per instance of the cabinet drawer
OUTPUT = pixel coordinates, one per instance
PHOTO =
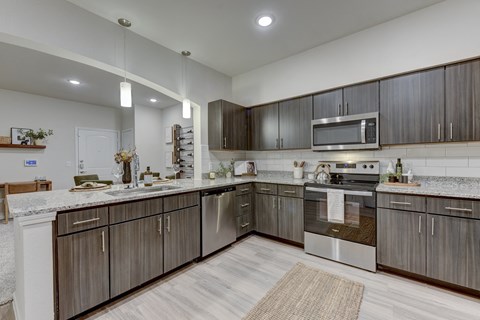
(181, 201)
(285, 190)
(244, 224)
(153, 206)
(266, 188)
(243, 204)
(401, 202)
(127, 211)
(74, 221)
(243, 189)
(454, 207)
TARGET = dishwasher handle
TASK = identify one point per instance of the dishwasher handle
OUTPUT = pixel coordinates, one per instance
(217, 191)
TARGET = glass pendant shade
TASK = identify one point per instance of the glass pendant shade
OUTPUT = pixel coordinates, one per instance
(125, 94)
(186, 111)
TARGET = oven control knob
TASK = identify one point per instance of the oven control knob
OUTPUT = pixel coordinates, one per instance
(364, 166)
(371, 166)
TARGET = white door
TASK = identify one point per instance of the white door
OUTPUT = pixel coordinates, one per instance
(96, 149)
(127, 139)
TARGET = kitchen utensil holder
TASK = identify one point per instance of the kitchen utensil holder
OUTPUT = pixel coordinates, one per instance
(298, 173)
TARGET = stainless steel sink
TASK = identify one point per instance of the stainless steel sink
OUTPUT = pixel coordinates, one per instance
(118, 193)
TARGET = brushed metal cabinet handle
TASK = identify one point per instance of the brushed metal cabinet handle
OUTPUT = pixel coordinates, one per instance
(289, 192)
(244, 205)
(420, 224)
(273, 201)
(281, 143)
(438, 132)
(279, 203)
(103, 241)
(346, 109)
(335, 230)
(85, 221)
(401, 203)
(225, 142)
(245, 225)
(339, 109)
(276, 144)
(459, 209)
(245, 190)
(160, 226)
(265, 189)
(451, 131)
(168, 224)
(433, 226)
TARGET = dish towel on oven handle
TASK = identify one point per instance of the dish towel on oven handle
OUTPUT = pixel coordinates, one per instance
(336, 205)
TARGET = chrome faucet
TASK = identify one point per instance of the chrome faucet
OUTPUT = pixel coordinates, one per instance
(136, 169)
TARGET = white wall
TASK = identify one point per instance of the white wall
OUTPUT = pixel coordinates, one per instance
(32, 111)
(436, 35)
(148, 137)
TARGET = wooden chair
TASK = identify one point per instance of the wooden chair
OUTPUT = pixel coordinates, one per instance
(19, 187)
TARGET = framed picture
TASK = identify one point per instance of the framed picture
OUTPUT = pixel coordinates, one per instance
(18, 137)
(251, 167)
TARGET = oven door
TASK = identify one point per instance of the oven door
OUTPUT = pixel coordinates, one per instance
(360, 216)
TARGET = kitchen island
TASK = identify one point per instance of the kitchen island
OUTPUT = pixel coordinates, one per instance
(35, 217)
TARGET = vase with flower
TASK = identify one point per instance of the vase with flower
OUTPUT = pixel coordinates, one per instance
(125, 157)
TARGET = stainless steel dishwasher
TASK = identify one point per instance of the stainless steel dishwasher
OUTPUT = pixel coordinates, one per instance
(218, 219)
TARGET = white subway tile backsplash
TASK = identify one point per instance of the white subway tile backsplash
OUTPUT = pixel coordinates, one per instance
(426, 152)
(463, 172)
(448, 162)
(429, 171)
(391, 153)
(474, 162)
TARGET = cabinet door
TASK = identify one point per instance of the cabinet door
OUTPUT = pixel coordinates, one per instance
(412, 108)
(234, 126)
(83, 280)
(453, 250)
(401, 240)
(264, 125)
(181, 237)
(153, 244)
(328, 104)
(290, 219)
(126, 256)
(462, 102)
(215, 123)
(295, 121)
(362, 98)
(266, 214)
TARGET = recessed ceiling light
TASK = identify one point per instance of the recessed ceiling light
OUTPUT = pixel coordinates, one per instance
(74, 82)
(153, 100)
(264, 20)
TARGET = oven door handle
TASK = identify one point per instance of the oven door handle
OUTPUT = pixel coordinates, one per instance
(346, 192)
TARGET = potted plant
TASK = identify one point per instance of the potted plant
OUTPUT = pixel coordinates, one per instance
(225, 171)
(37, 137)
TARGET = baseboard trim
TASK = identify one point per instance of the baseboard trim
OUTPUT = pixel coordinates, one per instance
(15, 308)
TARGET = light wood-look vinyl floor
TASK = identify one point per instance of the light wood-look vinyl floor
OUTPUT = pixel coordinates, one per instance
(227, 285)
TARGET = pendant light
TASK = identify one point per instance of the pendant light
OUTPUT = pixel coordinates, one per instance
(125, 87)
(186, 107)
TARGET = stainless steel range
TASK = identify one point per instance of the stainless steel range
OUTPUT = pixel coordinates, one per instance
(340, 214)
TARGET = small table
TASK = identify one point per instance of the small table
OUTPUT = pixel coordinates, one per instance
(46, 185)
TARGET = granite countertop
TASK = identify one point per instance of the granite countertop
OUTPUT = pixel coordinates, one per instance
(453, 187)
(59, 200)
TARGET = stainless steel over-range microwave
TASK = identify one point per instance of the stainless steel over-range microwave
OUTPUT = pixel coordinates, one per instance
(353, 132)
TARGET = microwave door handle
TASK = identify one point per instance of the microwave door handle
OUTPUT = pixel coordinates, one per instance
(346, 192)
(363, 131)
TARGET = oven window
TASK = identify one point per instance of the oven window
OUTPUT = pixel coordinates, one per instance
(337, 133)
(359, 220)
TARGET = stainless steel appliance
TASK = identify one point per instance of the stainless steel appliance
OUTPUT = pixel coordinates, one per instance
(346, 133)
(351, 240)
(218, 219)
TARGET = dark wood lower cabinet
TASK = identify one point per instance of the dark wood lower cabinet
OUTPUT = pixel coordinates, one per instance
(266, 214)
(453, 253)
(401, 240)
(153, 244)
(182, 242)
(83, 272)
(290, 219)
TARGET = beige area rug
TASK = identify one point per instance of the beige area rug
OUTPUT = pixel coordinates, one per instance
(308, 293)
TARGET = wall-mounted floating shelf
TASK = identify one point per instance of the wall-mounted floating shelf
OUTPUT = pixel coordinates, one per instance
(21, 146)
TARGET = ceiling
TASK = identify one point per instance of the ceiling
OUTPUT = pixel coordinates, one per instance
(34, 72)
(222, 33)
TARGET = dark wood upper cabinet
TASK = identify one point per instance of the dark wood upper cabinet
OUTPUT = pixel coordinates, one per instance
(227, 126)
(328, 104)
(264, 127)
(357, 99)
(362, 98)
(462, 93)
(295, 118)
(412, 108)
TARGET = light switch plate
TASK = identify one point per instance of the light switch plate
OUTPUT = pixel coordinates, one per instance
(30, 163)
